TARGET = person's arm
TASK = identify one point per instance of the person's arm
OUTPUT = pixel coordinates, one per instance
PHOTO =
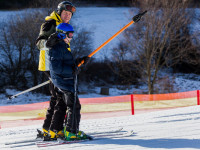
(46, 30)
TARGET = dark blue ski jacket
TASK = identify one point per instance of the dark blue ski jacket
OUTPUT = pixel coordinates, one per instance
(61, 66)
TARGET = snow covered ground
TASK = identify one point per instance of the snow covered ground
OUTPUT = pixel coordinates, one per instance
(177, 129)
(181, 83)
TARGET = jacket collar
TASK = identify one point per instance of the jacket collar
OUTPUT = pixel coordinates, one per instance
(54, 16)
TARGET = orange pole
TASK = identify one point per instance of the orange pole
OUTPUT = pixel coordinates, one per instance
(100, 47)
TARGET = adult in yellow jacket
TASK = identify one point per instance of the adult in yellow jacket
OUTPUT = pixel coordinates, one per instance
(53, 123)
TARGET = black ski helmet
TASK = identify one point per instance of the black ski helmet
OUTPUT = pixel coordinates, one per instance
(65, 5)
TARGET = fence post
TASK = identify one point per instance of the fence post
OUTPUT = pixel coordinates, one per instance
(198, 99)
(132, 104)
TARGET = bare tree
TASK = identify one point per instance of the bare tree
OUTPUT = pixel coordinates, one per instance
(161, 39)
(81, 43)
(33, 20)
(19, 50)
(12, 47)
(123, 65)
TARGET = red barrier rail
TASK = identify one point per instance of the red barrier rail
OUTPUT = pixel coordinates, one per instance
(198, 99)
(107, 100)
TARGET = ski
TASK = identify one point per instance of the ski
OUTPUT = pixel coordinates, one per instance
(22, 145)
(116, 135)
(40, 138)
(58, 142)
(41, 143)
(99, 137)
(105, 132)
(23, 141)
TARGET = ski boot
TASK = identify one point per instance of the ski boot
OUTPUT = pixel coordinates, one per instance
(82, 136)
(42, 134)
(51, 136)
(60, 134)
(69, 136)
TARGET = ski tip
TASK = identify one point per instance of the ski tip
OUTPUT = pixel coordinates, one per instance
(121, 129)
(90, 137)
(132, 132)
(40, 134)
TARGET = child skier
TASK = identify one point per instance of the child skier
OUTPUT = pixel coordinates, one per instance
(63, 71)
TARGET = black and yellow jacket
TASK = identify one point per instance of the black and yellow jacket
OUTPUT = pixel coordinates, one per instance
(47, 28)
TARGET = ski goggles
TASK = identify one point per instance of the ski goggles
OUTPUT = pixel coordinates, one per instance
(63, 35)
(70, 8)
(70, 34)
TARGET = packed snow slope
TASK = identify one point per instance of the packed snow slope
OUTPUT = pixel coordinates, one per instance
(177, 129)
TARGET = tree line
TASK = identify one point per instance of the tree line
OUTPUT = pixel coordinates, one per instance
(19, 4)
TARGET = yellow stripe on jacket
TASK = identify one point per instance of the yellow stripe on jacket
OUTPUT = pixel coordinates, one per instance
(44, 61)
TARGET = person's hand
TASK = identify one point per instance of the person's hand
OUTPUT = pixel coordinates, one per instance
(52, 40)
(67, 40)
(86, 59)
(76, 70)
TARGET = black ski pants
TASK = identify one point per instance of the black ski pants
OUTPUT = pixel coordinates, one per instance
(56, 112)
(73, 118)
